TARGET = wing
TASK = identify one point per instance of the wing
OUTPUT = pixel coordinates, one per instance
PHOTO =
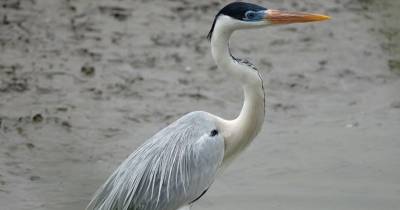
(169, 170)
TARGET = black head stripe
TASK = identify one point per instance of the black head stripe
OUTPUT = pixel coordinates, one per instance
(238, 10)
(209, 35)
(235, 10)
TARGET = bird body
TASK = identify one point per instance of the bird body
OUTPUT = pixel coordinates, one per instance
(176, 166)
(173, 167)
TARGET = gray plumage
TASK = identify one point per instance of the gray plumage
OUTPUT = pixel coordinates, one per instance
(176, 166)
(171, 169)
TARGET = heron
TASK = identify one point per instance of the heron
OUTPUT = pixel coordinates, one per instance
(175, 167)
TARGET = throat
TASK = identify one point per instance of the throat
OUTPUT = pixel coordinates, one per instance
(239, 132)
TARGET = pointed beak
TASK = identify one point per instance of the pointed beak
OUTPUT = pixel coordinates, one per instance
(286, 17)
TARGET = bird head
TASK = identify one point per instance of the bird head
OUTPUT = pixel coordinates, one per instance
(241, 15)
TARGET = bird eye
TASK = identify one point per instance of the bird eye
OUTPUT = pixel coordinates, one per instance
(214, 132)
(250, 14)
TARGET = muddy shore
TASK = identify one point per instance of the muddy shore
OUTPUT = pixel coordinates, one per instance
(84, 83)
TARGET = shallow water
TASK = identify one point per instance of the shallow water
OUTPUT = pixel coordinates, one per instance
(385, 17)
(83, 83)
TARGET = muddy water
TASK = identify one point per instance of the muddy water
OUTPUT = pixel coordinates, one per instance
(388, 19)
(83, 83)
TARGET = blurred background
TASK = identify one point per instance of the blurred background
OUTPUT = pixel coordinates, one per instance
(84, 82)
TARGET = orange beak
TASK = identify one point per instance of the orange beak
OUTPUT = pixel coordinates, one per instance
(285, 17)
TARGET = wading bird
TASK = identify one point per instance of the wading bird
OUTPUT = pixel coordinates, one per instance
(176, 166)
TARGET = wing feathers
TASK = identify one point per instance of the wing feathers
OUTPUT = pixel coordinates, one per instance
(169, 170)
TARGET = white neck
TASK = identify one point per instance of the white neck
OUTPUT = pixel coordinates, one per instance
(238, 133)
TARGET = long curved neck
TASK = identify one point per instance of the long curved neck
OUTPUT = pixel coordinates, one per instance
(238, 133)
